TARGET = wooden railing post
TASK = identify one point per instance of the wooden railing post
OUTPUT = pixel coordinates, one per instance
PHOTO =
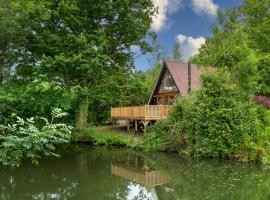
(144, 112)
(145, 108)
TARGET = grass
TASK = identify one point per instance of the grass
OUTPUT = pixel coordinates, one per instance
(107, 136)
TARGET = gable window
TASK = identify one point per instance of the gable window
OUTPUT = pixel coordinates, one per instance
(167, 84)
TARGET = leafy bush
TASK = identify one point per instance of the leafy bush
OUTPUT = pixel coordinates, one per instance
(217, 121)
(27, 138)
(161, 137)
(106, 138)
(35, 99)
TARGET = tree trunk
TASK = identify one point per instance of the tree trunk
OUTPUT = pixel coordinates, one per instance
(82, 114)
(1, 69)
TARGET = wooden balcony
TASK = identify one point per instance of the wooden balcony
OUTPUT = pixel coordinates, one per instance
(145, 112)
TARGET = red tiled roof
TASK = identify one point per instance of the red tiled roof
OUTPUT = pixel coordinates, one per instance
(179, 72)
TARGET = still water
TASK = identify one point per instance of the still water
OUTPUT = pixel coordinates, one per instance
(98, 173)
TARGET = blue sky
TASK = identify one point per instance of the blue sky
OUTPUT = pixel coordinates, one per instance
(187, 22)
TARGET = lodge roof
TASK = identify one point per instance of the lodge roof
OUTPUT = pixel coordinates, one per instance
(179, 73)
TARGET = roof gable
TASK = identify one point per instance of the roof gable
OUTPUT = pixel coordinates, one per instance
(179, 73)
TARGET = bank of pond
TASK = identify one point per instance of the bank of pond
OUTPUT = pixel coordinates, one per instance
(99, 172)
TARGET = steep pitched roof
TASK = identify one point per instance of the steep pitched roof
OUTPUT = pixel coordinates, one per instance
(179, 72)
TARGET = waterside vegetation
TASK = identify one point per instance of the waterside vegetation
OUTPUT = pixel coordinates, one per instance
(77, 56)
(107, 136)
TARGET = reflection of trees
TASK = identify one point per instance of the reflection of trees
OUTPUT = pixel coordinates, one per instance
(85, 173)
(209, 179)
(96, 181)
(46, 180)
(164, 193)
(78, 174)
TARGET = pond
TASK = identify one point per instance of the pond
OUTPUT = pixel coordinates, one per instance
(99, 173)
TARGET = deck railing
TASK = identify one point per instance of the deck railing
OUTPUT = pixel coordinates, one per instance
(145, 112)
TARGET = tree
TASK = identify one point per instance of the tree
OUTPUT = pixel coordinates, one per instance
(5, 39)
(218, 121)
(241, 43)
(257, 24)
(176, 53)
(79, 43)
(157, 56)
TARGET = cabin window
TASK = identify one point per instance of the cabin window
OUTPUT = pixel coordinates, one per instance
(167, 84)
(159, 100)
(166, 100)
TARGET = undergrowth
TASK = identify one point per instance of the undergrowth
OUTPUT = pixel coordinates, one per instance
(104, 137)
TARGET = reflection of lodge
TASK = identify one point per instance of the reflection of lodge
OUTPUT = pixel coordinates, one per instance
(146, 178)
(134, 168)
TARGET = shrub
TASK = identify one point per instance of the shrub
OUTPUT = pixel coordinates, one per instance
(217, 121)
(162, 137)
(106, 138)
(26, 138)
(35, 99)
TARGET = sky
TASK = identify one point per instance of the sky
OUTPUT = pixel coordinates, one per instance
(187, 22)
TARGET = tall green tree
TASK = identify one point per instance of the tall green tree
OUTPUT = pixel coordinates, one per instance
(240, 43)
(257, 23)
(176, 53)
(5, 39)
(79, 42)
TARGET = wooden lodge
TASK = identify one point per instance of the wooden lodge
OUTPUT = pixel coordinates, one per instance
(175, 79)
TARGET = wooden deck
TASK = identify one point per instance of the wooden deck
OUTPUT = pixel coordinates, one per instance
(145, 112)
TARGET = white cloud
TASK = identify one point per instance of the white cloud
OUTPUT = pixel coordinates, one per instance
(174, 5)
(165, 7)
(181, 38)
(190, 46)
(205, 6)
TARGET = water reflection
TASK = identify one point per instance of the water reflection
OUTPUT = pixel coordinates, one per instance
(84, 173)
(134, 168)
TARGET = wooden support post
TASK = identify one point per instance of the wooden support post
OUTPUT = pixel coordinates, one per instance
(136, 126)
(145, 123)
(128, 125)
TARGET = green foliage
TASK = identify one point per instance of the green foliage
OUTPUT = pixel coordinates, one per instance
(161, 138)
(80, 43)
(33, 137)
(217, 121)
(6, 59)
(222, 116)
(257, 24)
(137, 92)
(176, 53)
(264, 75)
(241, 43)
(231, 51)
(106, 138)
(35, 99)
